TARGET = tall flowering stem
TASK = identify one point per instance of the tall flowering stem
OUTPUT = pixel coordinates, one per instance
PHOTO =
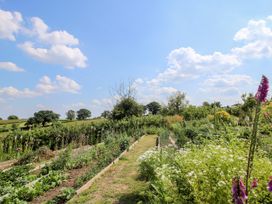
(238, 191)
(260, 97)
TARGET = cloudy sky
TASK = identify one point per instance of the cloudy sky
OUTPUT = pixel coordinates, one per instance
(63, 55)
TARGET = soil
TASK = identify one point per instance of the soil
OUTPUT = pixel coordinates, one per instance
(69, 182)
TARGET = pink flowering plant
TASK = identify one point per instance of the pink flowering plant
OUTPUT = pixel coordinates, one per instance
(241, 193)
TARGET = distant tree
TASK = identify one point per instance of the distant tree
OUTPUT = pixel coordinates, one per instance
(83, 114)
(153, 107)
(127, 107)
(106, 114)
(13, 117)
(176, 103)
(1, 118)
(215, 104)
(45, 116)
(205, 103)
(71, 115)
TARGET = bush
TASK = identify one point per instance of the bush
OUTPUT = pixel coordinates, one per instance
(222, 116)
(124, 143)
(173, 119)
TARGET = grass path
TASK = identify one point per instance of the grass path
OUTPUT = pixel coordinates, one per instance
(120, 184)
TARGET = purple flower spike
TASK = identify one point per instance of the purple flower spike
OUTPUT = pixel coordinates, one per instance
(262, 90)
(269, 186)
(254, 183)
(238, 191)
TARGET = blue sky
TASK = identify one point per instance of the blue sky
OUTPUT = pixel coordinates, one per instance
(63, 55)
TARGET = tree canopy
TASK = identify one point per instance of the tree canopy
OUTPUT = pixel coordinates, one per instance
(153, 107)
(83, 114)
(106, 114)
(13, 117)
(71, 115)
(176, 103)
(127, 107)
(43, 117)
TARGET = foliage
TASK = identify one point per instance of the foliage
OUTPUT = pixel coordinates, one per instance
(126, 108)
(153, 107)
(173, 119)
(205, 173)
(195, 113)
(26, 190)
(59, 136)
(106, 114)
(222, 116)
(246, 111)
(65, 195)
(83, 114)
(177, 103)
(164, 137)
(13, 117)
(43, 153)
(71, 115)
(42, 117)
(59, 163)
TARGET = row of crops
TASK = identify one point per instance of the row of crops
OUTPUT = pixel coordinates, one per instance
(24, 182)
(58, 136)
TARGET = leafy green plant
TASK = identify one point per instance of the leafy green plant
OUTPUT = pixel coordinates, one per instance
(65, 195)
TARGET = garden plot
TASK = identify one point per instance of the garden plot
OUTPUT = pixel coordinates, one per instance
(120, 183)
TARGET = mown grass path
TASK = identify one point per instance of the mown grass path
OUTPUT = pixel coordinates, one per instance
(120, 184)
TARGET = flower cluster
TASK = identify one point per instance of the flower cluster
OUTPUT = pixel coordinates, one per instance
(254, 183)
(238, 191)
(269, 186)
(262, 90)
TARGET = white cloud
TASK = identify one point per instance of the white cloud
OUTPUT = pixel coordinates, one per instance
(185, 62)
(228, 86)
(14, 92)
(255, 30)
(40, 29)
(9, 66)
(57, 54)
(45, 86)
(228, 80)
(216, 68)
(52, 47)
(74, 106)
(147, 92)
(10, 24)
(61, 84)
(257, 36)
(67, 85)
